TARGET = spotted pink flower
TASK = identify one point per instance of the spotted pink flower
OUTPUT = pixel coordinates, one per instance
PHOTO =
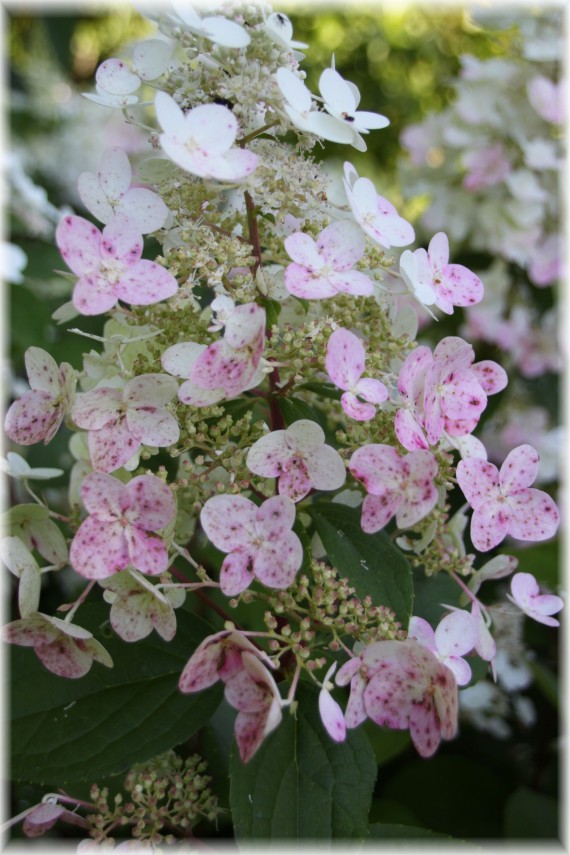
(401, 685)
(64, 648)
(503, 502)
(226, 368)
(44, 816)
(258, 540)
(299, 458)
(345, 363)
(525, 593)
(109, 265)
(401, 486)
(436, 282)
(443, 391)
(323, 268)
(330, 711)
(121, 529)
(455, 635)
(249, 687)
(119, 421)
(37, 414)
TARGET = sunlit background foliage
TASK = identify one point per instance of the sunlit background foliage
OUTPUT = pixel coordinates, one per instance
(402, 59)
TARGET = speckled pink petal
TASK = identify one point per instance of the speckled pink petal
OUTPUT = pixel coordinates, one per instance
(438, 250)
(456, 634)
(220, 366)
(147, 552)
(249, 731)
(42, 370)
(331, 716)
(377, 511)
(347, 671)
(341, 244)
(351, 282)
(245, 325)
(30, 631)
(229, 521)
(355, 712)
(267, 455)
(371, 390)
(144, 283)
(65, 657)
(492, 377)
(243, 693)
(79, 242)
(304, 251)
(148, 502)
(459, 286)
(412, 373)
(144, 209)
(356, 409)
(153, 425)
(526, 595)
(155, 389)
(111, 447)
(275, 517)
(201, 670)
(446, 702)
(478, 480)
(422, 632)
(102, 495)
(378, 466)
(389, 697)
(194, 395)
(409, 432)
(236, 573)
(97, 408)
(94, 294)
(533, 515)
(94, 197)
(179, 358)
(302, 282)
(294, 480)
(304, 436)
(277, 562)
(462, 397)
(305, 284)
(519, 469)
(326, 468)
(489, 525)
(99, 549)
(424, 728)
(33, 417)
(121, 241)
(419, 469)
(455, 352)
(130, 618)
(345, 358)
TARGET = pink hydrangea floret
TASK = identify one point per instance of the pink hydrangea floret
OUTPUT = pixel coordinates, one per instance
(503, 502)
(119, 420)
(401, 685)
(109, 265)
(121, 529)
(323, 268)
(37, 414)
(225, 368)
(525, 593)
(299, 458)
(397, 485)
(258, 540)
(345, 362)
(455, 635)
(376, 216)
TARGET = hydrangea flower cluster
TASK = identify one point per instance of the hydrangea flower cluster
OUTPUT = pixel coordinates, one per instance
(296, 383)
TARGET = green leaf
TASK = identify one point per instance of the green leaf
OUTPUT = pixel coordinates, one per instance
(326, 390)
(300, 784)
(392, 830)
(370, 562)
(531, 815)
(101, 724)
(293, 409)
